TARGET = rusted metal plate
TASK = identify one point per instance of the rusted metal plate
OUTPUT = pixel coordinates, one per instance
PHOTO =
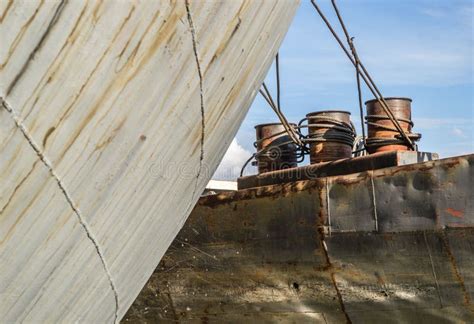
(427, 196)
(255, 264)
(394, 271)
(339, 167)
(460, 246)
(342, 195)
(326, 251)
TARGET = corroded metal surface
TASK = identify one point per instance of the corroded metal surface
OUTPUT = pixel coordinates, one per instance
(279, 151)
(339, 167)
(113, 117)
(328, 131)
(382, 134)
(386, 246)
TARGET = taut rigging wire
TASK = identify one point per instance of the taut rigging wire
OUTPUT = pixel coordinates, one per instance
(348, 134)
(362, 71)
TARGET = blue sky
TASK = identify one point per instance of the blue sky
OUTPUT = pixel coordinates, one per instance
(418, 49)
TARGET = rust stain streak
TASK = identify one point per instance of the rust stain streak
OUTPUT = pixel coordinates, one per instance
(235, 27)
(58, 227)
(94, 110)
(6, 140)
(18, 187)
(105, 142)
(38, 46)
(166, 31)
(20, 217)
(5, 12)
(88, 118)
(130, 58)
(74, 32)
(20, 35)
(46, 136)
(95, 13)
(84, 85)
(455, 270)
(173, 84)
(65, 193)
(329, 266)
(134, 52)
(147, 29)
(229, 99)
(235, 90)
(50, 72)
(126, 45)
(229, 34)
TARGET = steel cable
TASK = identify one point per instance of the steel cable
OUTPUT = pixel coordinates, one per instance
(336, 130)
(364, 73)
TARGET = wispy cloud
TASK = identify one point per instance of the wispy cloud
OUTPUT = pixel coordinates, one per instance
(460, 11)
(418, 48)
(232, 163)
(433, 12)
(427, 123)
(398, 50)
(458, 132)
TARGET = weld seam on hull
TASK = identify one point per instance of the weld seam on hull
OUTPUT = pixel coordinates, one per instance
(329, 264)
(201, 97)
(373, 200)
(455, 269)
(328, 208)
(433, 269)
(333, 279)
(69, 200)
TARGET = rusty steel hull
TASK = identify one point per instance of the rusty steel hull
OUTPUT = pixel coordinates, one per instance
(340, 167)
(385, 246)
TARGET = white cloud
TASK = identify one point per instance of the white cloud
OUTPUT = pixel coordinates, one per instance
(458, 132)
(421, 64)
(232, 163)
(433, 12)
(460, 12)
(426, 123)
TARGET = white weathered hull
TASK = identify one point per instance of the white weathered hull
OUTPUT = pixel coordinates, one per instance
(114, 116)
